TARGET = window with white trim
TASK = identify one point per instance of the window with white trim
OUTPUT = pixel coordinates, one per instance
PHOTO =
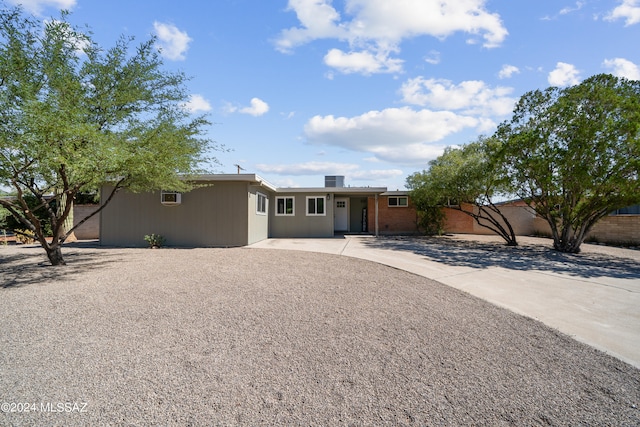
(315, 206)
(398, 201)
(285, 206)
(261, 204)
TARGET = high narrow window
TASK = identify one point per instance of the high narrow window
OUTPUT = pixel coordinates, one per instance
(399, 202)
(261, 204)
(315, 206)
(285, 206)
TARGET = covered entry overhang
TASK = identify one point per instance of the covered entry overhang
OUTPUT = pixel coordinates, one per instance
(350, 209)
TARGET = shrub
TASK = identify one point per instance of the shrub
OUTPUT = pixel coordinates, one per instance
(25, 236)
(154, 240)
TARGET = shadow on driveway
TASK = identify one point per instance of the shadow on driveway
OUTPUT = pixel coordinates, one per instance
(482, 255)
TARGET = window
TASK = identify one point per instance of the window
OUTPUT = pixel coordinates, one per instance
(315, 206)
(261, 204)
(285, 206)
(341, 204)
(399, 202)
(629, 210)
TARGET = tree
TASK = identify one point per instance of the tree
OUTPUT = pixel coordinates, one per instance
(74, 116)
(574, 154)
(465, 179)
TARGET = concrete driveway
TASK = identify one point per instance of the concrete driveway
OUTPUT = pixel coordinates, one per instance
(593, 296)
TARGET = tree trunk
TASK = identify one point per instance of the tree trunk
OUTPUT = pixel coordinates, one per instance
(54, 253)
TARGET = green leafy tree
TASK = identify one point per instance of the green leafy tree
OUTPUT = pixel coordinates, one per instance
(465, 179)
(574, 154)
(74, 116)
(4, 214)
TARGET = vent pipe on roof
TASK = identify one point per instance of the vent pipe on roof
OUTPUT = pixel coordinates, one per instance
(334, 181)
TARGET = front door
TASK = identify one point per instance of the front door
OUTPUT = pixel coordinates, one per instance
(341, 214)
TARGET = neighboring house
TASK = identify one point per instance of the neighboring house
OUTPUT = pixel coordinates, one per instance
(235, 210)
(619, 227)
(518, 213)
(90, 229)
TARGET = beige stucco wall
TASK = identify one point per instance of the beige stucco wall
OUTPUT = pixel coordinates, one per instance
(258, 223)
(209, 216)
(520, 217)
(301, 225)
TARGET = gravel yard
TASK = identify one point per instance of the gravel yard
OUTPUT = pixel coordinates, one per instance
(265, 337)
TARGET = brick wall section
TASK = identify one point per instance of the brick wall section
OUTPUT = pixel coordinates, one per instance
(457, 222)
(91, 228)
(617, 229)
(395, 220)
(391, 220)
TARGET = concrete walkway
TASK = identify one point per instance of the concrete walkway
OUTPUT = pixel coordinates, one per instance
(593, 297)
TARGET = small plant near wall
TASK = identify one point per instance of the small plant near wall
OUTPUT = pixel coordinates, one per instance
(25, 236)
(154, 240)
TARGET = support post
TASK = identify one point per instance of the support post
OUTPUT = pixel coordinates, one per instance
(376, 214)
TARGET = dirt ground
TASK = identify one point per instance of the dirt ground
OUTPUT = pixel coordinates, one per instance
(265, 337)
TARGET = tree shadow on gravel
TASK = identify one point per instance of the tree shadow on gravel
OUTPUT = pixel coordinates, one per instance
(23, 266)
(463, 253)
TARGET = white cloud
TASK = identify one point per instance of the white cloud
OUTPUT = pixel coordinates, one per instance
(318, 19)
(433, 58)
(394, 134)
(362, 62)
(173, 43)
(309, 168)
(374, 28)
(258, 108)
(375, 174)
(36, 6)
(621, 67)
(629, 10)
(472, 97)
(197, 103)
(507, 71)
(570, 9)
(349, 170)
(564, 75)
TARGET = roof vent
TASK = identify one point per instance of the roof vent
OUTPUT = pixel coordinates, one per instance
(334, 181)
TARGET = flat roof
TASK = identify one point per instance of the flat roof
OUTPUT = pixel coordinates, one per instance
(242, 177)
(396, 193)
(333, 190)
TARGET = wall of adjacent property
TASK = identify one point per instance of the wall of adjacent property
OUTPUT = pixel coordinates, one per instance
(614, 229)
(521, 218)
(89, 229)
(214, 215)
(301, 225)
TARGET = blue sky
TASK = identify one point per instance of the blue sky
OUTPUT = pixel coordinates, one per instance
(369, 89)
